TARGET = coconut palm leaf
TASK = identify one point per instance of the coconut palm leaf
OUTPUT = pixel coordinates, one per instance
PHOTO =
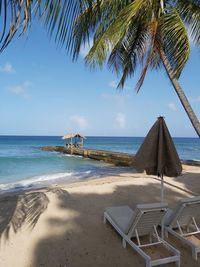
(190, 14)
(112, 31)
(57, 15)
(150, 51)
(129, 52)
(175, 41)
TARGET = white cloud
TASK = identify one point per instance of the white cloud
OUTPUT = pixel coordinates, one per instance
(113, 84)
(195, 99)
(7, 68)
(119, 99)
(79, 122)
(120, 120)
(21, 89)
(112, 97)
(172, 106)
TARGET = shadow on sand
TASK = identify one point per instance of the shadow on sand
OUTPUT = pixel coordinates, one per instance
(19, 209)
(84, 241)
(191, 181)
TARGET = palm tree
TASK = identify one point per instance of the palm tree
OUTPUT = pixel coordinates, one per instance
(149, 34)
(126, 34)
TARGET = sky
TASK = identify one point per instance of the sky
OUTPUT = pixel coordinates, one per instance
(43, 92)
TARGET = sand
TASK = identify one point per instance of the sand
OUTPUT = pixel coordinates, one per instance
(62, 226)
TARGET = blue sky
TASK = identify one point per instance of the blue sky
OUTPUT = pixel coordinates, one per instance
(44, 93)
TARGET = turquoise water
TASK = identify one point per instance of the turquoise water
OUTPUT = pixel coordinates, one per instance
(24, 165)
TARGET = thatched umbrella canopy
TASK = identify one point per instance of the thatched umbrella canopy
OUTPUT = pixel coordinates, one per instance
(157, 155)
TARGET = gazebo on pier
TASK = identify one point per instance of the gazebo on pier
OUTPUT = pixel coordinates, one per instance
(74, 140)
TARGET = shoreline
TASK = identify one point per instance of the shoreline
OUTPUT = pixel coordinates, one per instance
(35, 182)
(113, 171)
(62, 182)
(123, 172)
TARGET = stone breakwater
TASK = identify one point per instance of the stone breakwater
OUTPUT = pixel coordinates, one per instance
(115, 158)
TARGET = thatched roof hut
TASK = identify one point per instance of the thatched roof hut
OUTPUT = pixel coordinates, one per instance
(76, 139)
(73, 135)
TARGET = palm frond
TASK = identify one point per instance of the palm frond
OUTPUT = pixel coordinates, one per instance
(175, 41)
(190, 14)
(108, 38)
(150, 52)
(59, 17)
(128, 53)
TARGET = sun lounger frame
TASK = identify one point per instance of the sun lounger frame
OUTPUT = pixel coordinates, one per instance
(180, 235)
(138, 247)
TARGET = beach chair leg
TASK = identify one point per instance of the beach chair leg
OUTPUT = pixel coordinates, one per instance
(178, 263)
(104, 219)
(148, 264)
(150, 239)
(162, 231)
(124, 243)
(194, 254)
(166, 234)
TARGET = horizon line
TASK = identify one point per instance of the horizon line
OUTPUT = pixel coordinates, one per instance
(19, 135)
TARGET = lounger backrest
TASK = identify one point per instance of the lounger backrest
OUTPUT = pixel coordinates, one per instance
(184, 212)
(146, 217)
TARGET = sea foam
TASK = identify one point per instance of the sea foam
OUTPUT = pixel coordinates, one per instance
(44, 180)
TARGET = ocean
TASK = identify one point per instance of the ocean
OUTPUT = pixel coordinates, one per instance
(24, 165)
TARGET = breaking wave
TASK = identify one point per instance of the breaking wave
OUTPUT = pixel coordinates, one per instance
(44, 180)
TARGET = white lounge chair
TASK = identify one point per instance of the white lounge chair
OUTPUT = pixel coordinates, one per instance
(133, 225)
(183, 223)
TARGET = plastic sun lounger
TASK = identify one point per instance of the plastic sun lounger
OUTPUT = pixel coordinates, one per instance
(140, 223)
(183, 223)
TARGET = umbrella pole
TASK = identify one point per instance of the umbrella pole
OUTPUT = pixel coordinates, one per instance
(162, 188)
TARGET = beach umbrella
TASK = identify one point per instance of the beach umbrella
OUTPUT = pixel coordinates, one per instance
(157, 154)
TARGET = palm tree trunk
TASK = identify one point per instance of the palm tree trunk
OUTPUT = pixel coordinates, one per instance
(193, 118)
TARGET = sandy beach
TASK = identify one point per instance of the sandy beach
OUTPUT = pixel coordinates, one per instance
(62, 226)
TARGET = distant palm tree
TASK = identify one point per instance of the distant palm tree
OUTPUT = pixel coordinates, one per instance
(125, 34)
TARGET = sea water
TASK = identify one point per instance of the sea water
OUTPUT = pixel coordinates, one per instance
(24, 165)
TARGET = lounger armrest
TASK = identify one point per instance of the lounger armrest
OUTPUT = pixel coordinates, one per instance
(167, 217)
(190, 199)
(152, 206)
